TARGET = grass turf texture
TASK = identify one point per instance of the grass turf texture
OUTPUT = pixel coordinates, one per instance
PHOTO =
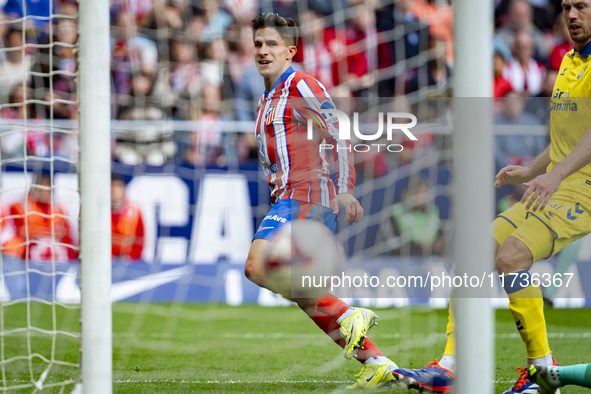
(204, 348)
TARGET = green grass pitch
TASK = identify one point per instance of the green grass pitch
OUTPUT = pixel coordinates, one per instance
(164, 348)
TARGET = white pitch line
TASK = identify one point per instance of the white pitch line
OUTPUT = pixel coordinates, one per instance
(239, 381)
(277, 335)
(232, 381)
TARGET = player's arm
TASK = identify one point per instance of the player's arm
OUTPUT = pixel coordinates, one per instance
(544, 186)
(514, 174)
(345, 172)
(315, 99)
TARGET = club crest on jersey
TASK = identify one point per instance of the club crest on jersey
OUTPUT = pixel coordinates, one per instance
(270, 115)
(582, 72)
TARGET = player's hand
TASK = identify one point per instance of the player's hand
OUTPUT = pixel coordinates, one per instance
(540, 190)
(351, 205)
(512, 175)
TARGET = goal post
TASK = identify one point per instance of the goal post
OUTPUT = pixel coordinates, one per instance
(473, 191)
(95, 210)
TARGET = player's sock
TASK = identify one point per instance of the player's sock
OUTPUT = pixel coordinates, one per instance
(377, 360)
(575, 374)
(448, 362)
(369, 351)
(546, 360)
(333, 306)
(527, 307)
(326, 324)
(330, 326)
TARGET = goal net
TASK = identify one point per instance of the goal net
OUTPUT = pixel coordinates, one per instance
(188, 192)
(39, 340)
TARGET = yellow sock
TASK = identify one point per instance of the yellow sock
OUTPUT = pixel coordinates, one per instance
(527, 307)
(450, 346)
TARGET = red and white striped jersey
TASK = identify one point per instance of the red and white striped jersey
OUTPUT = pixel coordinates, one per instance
(295, 167)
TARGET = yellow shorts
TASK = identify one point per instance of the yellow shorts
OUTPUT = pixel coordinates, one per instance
(566, 218)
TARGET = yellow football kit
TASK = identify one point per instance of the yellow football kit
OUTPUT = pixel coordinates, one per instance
(567, 214)
(565, 218)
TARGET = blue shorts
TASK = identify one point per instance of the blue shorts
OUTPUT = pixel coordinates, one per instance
(283, 211)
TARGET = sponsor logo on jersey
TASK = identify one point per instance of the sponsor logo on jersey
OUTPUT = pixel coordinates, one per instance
(272, 169)
(276, 218)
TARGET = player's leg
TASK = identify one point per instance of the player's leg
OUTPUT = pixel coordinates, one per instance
(253, 267)
(438, 376)
(530, 240)
(328, 312)
(567, 257)
(346, 325)
(551, 378)
(448, 360)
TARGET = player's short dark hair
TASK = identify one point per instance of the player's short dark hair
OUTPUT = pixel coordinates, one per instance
(286, 27)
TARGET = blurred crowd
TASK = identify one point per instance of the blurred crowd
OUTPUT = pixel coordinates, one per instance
(185, 87)
(192, 60)
(35, 227)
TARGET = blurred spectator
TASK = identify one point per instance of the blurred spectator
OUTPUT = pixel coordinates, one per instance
(4, 28)
(43, 231)
(282, 7)
(314, 55)
(37, 139)
(249, 85)
(563, 42)
(539, 106)
(185, 78)
(7, 231)
(415, 40)
(127, 224)
(437, 72)
(140, 9)
(500, 84)
(215, 68)
(247, 149)
(131, 53)
(207, 147)
(152, 144)
(524, 72)
(518, 149)
(520, 19)
(415, 221)
(59, 63)
(15, 68)
(32, 8)
(243, 11)
(68, 8)
(241, 51)
(542, 11)
(248, 92)
(216, 19)
(439, 17)
(168, 15)
(362, 51)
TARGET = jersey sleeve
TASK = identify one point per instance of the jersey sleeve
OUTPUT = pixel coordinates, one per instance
(313, 106)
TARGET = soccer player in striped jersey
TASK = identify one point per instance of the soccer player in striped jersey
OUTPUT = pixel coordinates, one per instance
(553, 212)
(298, 175)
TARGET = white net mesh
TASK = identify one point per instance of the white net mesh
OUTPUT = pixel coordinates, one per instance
(191, 193)
(39, 196)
